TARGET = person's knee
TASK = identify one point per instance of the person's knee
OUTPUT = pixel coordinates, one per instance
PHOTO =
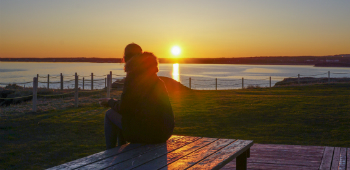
(114, 117)
(109, 113)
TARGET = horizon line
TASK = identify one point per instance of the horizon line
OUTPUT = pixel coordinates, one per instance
(170, 57)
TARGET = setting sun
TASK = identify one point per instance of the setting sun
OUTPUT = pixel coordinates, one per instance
(176, 50)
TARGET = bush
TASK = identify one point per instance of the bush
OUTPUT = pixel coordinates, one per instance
(250, 86)
(13, 86)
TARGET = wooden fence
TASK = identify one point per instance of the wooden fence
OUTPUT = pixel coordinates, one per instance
(244, 84)
(108, 85)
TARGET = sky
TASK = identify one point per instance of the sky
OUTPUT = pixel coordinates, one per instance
(201, 28)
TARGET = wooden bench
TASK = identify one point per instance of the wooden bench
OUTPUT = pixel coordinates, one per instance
(179, 152)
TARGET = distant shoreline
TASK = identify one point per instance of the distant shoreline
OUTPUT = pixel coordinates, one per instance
(317, 61)
(332, 65)
(161, 62)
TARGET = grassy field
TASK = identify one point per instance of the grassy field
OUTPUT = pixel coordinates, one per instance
(299, 115)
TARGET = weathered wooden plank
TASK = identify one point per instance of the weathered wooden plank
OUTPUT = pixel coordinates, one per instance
(297, 151)
(268, 157)
(284, 162)
(198, 155)
(149, 156)
(292, 152)
(287, 156)
(342, 159)
(280, 146)
(96, 157)
(105, 163)
(305, 149)
(348, 159)
(264, 166)
(336, 158)
(223, 156)
(327, 158)
(274, 160)
(175, 155)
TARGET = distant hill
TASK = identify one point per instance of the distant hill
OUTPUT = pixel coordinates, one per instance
(332, 64)
(266, 60)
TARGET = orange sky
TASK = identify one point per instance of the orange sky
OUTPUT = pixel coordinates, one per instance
(205, 29)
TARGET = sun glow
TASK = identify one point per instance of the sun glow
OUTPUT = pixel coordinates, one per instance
(176, 73)
(176, 50)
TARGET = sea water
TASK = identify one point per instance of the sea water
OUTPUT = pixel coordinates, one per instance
(203, 76)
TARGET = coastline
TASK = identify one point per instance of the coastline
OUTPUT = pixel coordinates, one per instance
(342, 60)
(291, 64)
(332, 65)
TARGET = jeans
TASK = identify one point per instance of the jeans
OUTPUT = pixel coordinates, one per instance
(113, 129)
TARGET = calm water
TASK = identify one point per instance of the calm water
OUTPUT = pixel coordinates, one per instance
(202, 75)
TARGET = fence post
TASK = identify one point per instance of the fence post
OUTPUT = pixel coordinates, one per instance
(299, 79)
(216, 83)
(110, 73)
(329, 76)
(92, 81)
(76, 91)
(83, 82)
(190, 83)
(35, 91)
(270, 81)
(108, 86)
(48, 81)
(61, 81)
(242, 83)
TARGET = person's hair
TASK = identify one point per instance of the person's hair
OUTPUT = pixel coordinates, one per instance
(130, 51)
(143, 63)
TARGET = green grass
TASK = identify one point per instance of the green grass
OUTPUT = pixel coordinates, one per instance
(305, 115)
(46, 139)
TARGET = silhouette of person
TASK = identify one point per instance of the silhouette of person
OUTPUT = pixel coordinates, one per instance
(144, 113)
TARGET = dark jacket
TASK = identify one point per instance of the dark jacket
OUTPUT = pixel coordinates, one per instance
(147, 116)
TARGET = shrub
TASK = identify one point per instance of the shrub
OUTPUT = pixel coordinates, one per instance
(251, 86)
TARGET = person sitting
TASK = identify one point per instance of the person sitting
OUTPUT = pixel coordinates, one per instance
(144, 113)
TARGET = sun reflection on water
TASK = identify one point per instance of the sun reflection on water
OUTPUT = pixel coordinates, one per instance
(176, 73)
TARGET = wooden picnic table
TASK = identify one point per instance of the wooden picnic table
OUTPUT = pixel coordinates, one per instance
(179, 152)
